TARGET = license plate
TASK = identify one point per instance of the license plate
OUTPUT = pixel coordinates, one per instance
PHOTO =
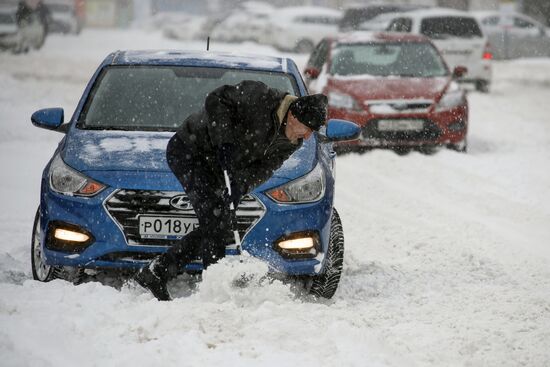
(165, 227)
(400, 125)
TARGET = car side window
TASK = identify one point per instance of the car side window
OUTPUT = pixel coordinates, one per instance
(323, 54)
(318, 20)
(319, 55)
(400, 25)
(522, 23)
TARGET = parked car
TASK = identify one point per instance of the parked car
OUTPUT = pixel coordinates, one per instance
(358, 17)
(458, 36)
(377, 24)
(396, 86)
(109, 176)
(247, 23)
(180, 25)
(21, 28)
(63, 17)
(300, 28)
(514, 35)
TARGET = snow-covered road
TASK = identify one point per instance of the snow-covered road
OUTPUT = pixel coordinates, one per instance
(447, 256)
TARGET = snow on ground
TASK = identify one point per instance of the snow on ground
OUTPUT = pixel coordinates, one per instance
(447, 255)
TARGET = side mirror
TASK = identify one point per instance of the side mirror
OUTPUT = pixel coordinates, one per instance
(311, 72)
(459, 72)
(48, 118)
(341, 130)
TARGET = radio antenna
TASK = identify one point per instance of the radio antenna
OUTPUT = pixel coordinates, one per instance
(208, 43)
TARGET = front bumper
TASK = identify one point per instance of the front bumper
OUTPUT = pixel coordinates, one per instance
(113, 245)
(439, 128)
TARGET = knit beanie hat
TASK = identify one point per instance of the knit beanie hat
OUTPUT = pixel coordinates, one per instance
(310, 110)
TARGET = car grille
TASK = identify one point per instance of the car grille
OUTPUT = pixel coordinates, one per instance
(399, 106)
(430, 132)
(125, 206)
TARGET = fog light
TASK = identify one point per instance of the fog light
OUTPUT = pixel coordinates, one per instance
(67, 237)
(457, 126)
(298, 245)
(72, 236)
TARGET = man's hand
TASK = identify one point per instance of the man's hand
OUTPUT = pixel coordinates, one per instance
(225, 156)
(234, 197)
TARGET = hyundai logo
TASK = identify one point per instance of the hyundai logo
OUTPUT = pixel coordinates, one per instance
(181, 202)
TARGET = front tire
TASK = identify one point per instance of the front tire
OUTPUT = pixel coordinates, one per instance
(483, 86)
(44, 272)
(461, 146)
(40, 270)
(325, 284)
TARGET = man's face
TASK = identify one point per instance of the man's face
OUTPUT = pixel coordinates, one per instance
(295, 130)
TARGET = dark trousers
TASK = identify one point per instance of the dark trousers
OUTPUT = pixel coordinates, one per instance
(202, 179)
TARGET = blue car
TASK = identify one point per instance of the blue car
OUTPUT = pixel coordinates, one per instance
(109, 200)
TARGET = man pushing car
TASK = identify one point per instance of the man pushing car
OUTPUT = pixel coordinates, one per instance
(247, 130)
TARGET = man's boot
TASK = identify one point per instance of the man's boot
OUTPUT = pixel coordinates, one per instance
(147, 277)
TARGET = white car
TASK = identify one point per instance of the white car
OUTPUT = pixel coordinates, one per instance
(514, 35)
(248, 22)
(180, 25)
(457, 35)
(300, 28)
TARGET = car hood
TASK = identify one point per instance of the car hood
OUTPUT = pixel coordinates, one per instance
(112, 156)
(368, 88)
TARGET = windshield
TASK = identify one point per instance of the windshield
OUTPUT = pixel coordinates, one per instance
(160, 98)
(407, 59)
(445, 27)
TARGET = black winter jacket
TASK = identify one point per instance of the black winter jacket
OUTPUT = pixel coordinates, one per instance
(243, 115)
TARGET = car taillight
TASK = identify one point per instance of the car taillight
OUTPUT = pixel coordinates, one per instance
(487, 54)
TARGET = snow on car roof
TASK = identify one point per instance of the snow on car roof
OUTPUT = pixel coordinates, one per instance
(256, 7)
(434, 12)
(198, 58)
(292, 11)
(362, 37)
(483, 13)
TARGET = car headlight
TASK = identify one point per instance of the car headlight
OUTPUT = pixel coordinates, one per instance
(454, 96)
(67, 181)
(306, 189)
(341, 100)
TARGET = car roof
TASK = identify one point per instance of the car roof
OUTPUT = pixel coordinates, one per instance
(434, 12)
(367, 37)
(383, 5)
(307, 10)
(198, 58)
(484, 13)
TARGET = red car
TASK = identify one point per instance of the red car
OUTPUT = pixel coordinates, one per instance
(396, 86)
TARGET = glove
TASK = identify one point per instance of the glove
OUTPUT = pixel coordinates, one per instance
(234, 197)
(225, 155)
